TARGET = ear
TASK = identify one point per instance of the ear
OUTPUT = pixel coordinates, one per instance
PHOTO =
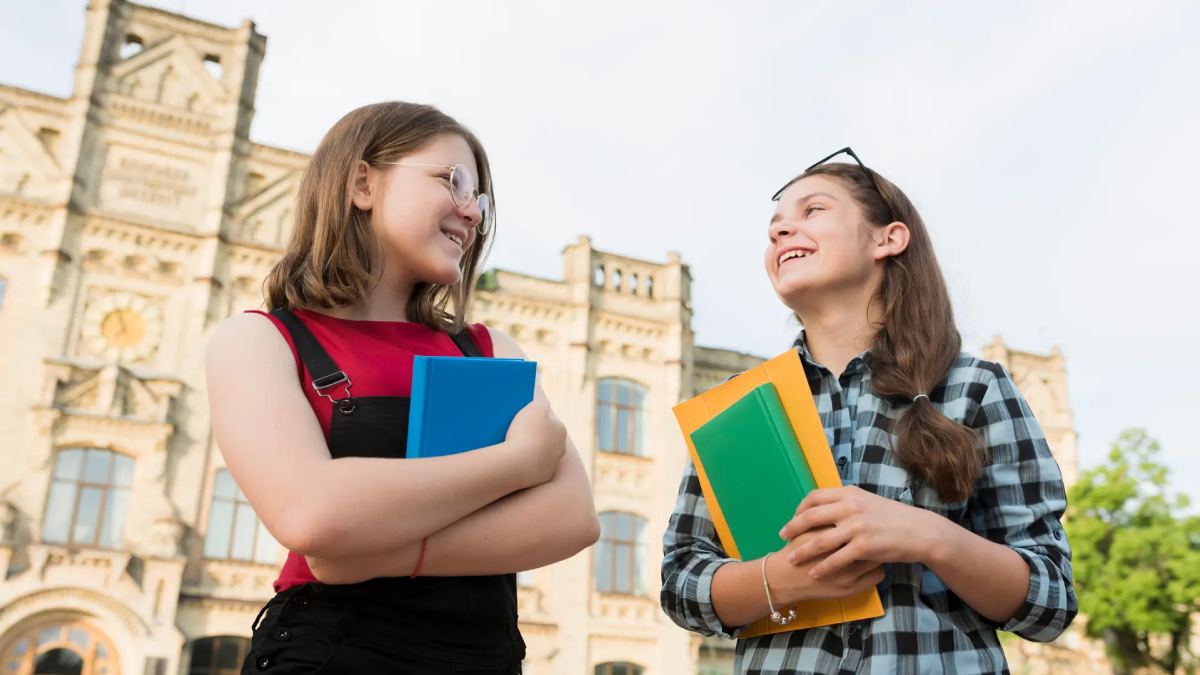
(891, 240)
(362, 186)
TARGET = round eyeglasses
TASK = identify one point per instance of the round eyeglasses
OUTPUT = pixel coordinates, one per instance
(462, 189)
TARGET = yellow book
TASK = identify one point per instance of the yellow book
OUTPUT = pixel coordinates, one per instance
(786, 372)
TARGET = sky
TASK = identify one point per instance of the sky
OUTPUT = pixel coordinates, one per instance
(1048, 146)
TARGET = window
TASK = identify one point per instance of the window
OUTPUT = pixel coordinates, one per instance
(218, 655)
(89, 498)
(3, 287)
(620, 556)
(525, 578)
(620, 668)
(60, 649)
(621, 417)
(212, 63)
(132, 47)
(234, 530)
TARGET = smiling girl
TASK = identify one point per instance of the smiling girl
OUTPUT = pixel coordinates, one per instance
(952, 500)
(394, 565)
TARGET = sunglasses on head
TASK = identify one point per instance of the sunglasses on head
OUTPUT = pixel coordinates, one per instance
(462, 189)
(862, 166)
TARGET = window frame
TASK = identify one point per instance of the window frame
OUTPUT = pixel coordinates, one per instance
(637, 411)
(243, 644)
(79, 484)
(606, 668)
(610, 544)
(238, 499)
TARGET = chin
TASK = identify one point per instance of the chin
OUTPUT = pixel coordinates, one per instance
(445, 276)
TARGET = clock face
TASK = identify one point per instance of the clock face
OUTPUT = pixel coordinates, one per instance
(123, 328)
(119, 326)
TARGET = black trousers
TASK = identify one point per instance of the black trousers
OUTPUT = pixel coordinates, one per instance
(315, 629)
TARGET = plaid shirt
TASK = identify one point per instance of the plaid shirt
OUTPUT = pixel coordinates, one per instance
(1018, 501)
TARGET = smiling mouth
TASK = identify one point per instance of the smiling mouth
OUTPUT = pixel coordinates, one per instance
(454, 238)
(792, 254)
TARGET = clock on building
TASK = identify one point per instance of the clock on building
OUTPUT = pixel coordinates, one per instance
(120, 326)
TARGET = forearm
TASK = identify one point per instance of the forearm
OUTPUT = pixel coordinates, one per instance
(361, 506)
(738, 596)
(530, 529)
(497, 539)
(991, 578)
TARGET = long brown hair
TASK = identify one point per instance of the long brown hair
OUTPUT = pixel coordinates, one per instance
(332, 257)
(916, 343)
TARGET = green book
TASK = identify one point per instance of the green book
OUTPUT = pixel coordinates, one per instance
(757, 470)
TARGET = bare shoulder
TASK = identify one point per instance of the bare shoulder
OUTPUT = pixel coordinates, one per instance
(504, 347)
(247, 342)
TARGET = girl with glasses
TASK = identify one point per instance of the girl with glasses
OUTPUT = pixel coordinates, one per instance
(952, 500)
(394, 566)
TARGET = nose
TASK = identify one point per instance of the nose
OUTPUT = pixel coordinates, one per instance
(470, 213)
(780, 229)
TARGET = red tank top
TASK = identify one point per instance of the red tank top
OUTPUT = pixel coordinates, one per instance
(378, 357)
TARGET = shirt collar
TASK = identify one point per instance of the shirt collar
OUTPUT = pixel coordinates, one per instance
(857, 364)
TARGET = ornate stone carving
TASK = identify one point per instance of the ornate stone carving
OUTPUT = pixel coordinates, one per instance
(8, 517)
(165, 539)
(110, 391)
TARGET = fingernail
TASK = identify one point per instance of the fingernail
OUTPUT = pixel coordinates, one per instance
(781, 536)
(813, 574)
(791, 557)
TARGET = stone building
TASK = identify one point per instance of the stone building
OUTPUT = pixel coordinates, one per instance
(135, 215)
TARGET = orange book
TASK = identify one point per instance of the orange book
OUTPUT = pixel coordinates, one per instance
(786, 372)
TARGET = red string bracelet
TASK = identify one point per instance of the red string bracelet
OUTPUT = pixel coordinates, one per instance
(421, 560)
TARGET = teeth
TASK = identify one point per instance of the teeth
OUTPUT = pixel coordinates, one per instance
(453, 238)
(794, 253)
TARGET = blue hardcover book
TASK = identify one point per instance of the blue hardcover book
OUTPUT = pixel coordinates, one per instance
(461, 403)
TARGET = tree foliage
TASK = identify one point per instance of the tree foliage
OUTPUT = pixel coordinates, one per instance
(1136, 559)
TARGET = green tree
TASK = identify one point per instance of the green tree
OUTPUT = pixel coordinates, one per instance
(1136, 559)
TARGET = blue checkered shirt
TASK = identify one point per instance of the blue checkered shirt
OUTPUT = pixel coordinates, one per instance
(926, 629)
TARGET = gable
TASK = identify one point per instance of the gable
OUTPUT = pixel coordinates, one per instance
(172, 73)
(26, 165)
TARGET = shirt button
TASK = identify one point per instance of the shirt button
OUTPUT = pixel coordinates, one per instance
(263, 662)
(1058, 534)
(283, 633)
(851, 629)
(301, 603)
(842, 461)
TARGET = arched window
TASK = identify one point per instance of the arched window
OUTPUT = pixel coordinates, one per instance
(60, 649)
(621, 417)
(234, 530)
(89, 498)
(221, 655)
(620, 555)
(619, 668)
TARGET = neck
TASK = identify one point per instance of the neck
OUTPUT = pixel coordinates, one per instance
(837, 329)
(387, 300)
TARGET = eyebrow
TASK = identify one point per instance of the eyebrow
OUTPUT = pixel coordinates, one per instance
(806, 198)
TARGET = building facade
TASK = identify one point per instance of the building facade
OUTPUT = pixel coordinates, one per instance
(135, 215)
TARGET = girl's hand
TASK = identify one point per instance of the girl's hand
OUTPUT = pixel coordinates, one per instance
(793, 582)
(866, 527)
(540, 440)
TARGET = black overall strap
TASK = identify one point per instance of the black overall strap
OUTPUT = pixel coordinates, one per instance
(466, 344)
(324, 371)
